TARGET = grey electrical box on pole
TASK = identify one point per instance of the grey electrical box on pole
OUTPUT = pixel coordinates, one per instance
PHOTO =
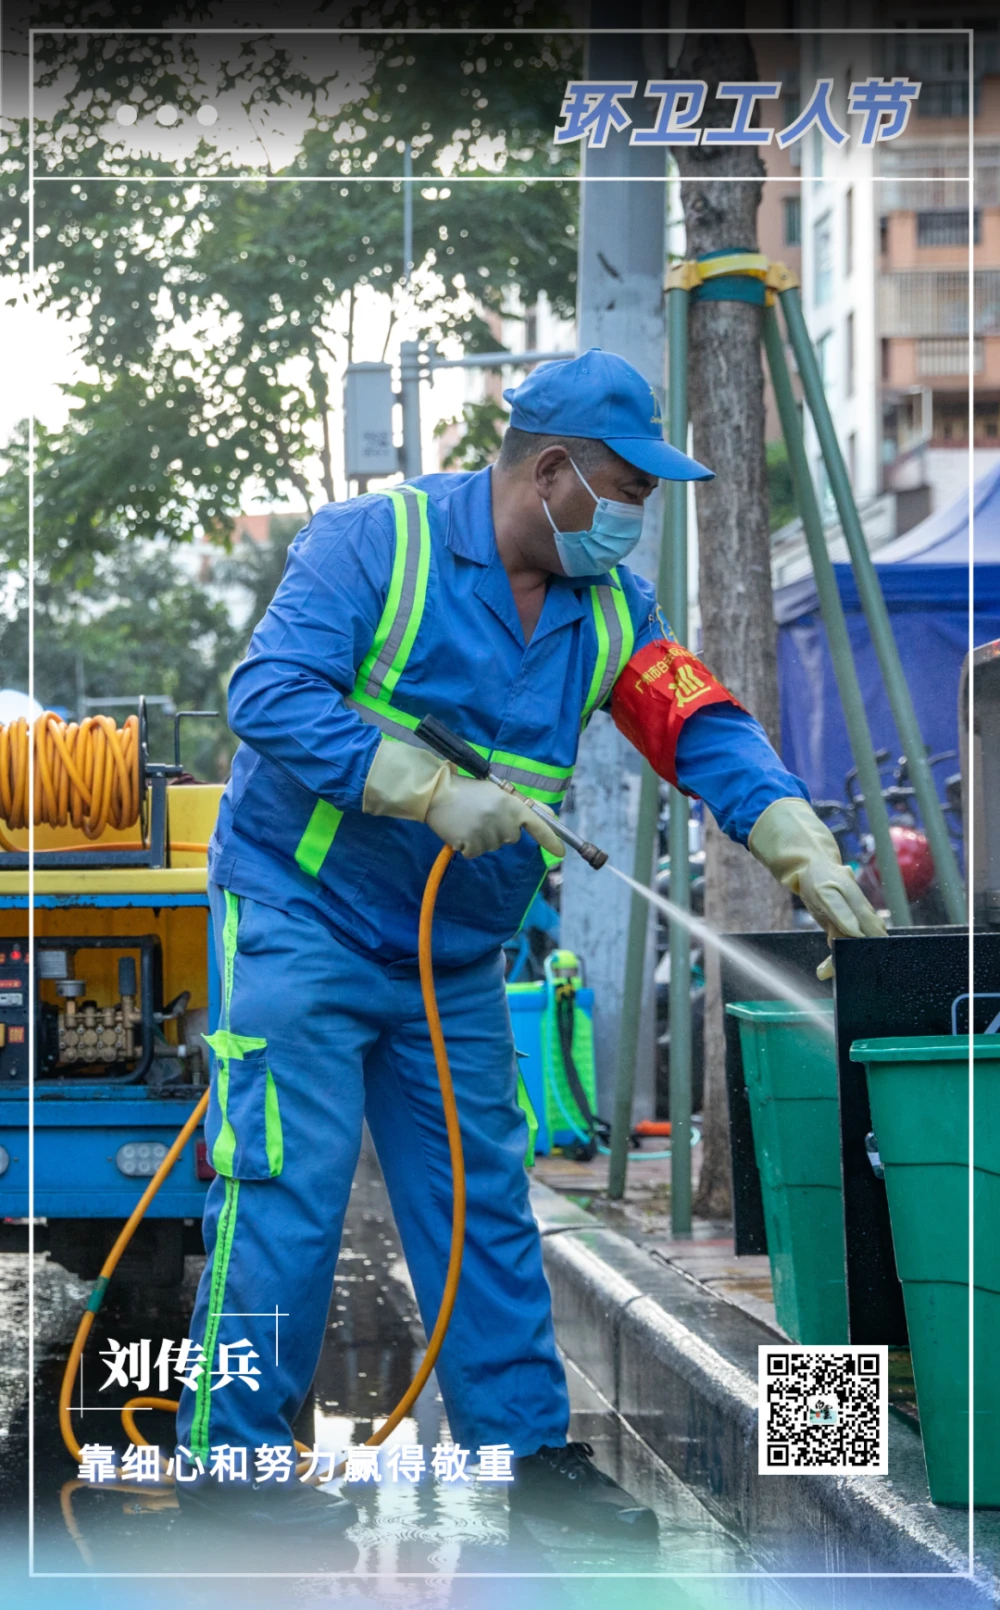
(368, 400)
(620, 308)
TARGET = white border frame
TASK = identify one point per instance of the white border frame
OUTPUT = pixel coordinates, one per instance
(33, 179)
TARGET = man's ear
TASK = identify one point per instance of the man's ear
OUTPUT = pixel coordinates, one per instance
(546, 467)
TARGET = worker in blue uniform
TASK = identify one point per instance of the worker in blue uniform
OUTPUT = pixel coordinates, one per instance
(498, 602)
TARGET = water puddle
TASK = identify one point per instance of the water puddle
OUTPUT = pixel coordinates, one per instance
(427, 1544)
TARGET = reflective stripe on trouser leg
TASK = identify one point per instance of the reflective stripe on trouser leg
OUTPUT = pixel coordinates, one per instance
(220, 1216)
(226, 917)
(225, 1235)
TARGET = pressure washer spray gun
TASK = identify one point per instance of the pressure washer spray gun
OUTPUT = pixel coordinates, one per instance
(449, 746)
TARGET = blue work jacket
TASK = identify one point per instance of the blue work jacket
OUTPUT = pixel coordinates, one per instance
(291, 832)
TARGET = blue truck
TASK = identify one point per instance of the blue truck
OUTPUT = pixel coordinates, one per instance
(102, 1055)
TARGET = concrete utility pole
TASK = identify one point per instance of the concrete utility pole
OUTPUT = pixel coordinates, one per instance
(620, 308)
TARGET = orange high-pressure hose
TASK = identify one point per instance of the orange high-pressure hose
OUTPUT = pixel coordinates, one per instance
(436, 1337)
(86, 773)
(86, 776)
(107, 1270)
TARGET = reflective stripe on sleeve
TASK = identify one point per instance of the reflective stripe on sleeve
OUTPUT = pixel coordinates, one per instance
(535, 778)
(404, 606)
(390, 721)
(314, 845)
(615, 642)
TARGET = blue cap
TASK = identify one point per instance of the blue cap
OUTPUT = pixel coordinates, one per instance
(603, 398)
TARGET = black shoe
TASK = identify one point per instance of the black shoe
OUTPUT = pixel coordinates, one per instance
(563, 1484)
(268, 1508)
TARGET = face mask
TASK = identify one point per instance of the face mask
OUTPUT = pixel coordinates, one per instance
(614, 532)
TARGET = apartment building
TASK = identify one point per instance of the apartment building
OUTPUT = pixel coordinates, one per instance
(923, 287)
(885, 243)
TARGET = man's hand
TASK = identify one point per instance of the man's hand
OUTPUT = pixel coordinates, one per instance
(791, 841)
(472, 817)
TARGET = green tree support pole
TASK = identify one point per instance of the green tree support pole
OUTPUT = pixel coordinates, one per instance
(635, 966)
(876, 613)
(836, 627)
(672, 587)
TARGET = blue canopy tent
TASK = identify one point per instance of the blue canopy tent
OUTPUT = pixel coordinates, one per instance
(925, 581)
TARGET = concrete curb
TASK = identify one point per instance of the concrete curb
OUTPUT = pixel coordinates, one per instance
(680, 1364)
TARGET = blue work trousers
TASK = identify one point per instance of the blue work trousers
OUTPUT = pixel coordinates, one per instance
(346, 1039)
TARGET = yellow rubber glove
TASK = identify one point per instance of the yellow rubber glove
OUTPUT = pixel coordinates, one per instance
(791, 841)
(472, 817)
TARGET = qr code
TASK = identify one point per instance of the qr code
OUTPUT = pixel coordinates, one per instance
(823, 1410)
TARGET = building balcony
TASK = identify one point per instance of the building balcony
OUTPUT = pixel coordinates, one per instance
(937, 238)
(940, 355)
(922, 303)
(941, 361)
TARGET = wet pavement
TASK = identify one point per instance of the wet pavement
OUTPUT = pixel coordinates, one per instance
(707, 1255)
(430, 1543)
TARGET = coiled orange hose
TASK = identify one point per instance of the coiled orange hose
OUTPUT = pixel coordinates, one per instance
(86, 776)
(86, 773)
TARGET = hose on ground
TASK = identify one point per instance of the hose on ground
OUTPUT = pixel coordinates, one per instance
(436, 1338)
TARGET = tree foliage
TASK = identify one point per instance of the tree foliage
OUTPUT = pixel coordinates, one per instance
(136, 620)
(479, 443)
(216, 290)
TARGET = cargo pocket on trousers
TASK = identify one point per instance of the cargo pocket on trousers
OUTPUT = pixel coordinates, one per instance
(243, 1126)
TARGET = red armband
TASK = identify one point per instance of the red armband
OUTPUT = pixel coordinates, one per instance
(661, 686)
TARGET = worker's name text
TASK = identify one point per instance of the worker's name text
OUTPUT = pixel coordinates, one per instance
(134, 1364)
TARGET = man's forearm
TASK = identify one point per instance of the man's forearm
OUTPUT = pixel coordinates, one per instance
(300, 722)
(724, 757)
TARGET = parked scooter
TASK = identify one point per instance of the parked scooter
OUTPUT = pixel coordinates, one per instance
(847, 822)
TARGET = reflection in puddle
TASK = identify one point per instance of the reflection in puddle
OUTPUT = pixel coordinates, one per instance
(426, 1543)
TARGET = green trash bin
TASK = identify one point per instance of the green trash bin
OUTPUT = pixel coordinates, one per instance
(919, 1093)
(790, 1067)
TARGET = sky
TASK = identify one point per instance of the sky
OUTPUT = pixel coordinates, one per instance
(37, 349)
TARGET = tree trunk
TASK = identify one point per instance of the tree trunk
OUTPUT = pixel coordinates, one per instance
(321, 391)
(726, 390)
